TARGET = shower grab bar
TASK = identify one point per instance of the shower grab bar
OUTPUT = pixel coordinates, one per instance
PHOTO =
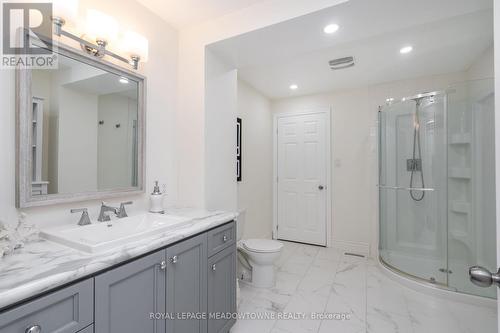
(407, 188)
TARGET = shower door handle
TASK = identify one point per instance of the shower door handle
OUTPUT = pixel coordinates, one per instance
(482, 277)
(406, 188)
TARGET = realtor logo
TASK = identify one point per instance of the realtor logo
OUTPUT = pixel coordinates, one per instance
(27, 35)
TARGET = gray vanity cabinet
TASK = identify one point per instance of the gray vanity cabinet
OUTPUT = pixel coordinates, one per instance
(126, 296)
(222, 289)
(187, 285)
(68, 310)
(184, 285)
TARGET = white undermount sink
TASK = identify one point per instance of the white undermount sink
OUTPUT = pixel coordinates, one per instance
(103, 236)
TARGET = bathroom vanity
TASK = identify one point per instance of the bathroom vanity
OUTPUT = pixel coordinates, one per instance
(186, 286)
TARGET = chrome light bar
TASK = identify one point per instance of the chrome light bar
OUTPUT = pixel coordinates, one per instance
(97, 50)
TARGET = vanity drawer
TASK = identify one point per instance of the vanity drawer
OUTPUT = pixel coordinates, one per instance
(221, 237)
(65, 311)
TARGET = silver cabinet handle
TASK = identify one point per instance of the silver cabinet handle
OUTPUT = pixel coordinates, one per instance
(482, 277)
(163, 265)
(174, 260)
(224, 238)
(214, 267)
(34, 329)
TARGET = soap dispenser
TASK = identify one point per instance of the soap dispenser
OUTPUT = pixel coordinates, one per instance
(157, 200)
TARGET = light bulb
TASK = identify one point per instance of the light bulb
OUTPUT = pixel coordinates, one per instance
(100, 26)
(65, 9)
(135, 45)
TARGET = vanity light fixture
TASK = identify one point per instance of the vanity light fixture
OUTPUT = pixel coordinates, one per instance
(406, 49)
(294, 87)
(331, 28)
(102, 29)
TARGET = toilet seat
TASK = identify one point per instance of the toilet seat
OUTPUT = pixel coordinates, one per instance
(262, 245)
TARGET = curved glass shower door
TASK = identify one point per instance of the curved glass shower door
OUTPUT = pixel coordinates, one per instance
(413, 209)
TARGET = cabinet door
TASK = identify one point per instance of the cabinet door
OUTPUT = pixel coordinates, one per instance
(187, 285)
(127, 296)
(222, 290)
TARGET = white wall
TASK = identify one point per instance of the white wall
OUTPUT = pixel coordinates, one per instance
(191, 99)
(220, 148)
(115, 145)
(77, 160)
(161, 73)
(354, 149)
(483, 67)
(255, 191)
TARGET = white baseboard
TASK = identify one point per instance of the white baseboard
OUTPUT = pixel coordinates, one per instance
(350, 246)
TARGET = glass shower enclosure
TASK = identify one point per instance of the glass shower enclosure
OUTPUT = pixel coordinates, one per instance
(437, 185)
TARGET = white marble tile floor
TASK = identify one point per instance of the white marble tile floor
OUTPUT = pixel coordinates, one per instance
(312, 279)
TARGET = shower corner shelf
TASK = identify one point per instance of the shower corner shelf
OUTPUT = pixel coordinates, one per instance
(460, 207)
(460, 173)
(460, 139)
(460, 235)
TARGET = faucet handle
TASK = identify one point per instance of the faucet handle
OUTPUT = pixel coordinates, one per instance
(122, 212)
(84, 219)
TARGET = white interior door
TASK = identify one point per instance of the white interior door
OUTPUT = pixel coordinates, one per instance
(302, 178)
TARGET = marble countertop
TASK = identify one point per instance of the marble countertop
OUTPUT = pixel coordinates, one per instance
(43, 265)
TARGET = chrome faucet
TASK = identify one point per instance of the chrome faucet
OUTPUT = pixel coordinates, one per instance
(84, 219)
(119, 212)
(103, 217)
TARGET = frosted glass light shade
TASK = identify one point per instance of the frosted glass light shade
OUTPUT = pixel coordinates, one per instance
(65, 9)
(134, 44)
(100, 26)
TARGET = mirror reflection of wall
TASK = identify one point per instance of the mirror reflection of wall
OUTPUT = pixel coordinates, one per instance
(84, 129)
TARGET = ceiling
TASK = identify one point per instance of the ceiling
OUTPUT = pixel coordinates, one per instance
(447, 36)
(92, 80)
(182, 13)
(104, 84)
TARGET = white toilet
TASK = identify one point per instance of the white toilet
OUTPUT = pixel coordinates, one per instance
(260, 255)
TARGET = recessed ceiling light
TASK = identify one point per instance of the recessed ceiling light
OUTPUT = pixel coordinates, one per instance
(331, 28)
(294, 87)
(406, 49)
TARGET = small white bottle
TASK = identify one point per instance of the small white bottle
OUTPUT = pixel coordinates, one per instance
(156, 200)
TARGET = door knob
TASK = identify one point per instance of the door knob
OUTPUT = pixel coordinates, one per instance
(482, 277)
(321, 187)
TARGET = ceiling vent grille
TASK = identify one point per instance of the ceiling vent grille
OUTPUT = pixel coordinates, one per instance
(341, 63)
